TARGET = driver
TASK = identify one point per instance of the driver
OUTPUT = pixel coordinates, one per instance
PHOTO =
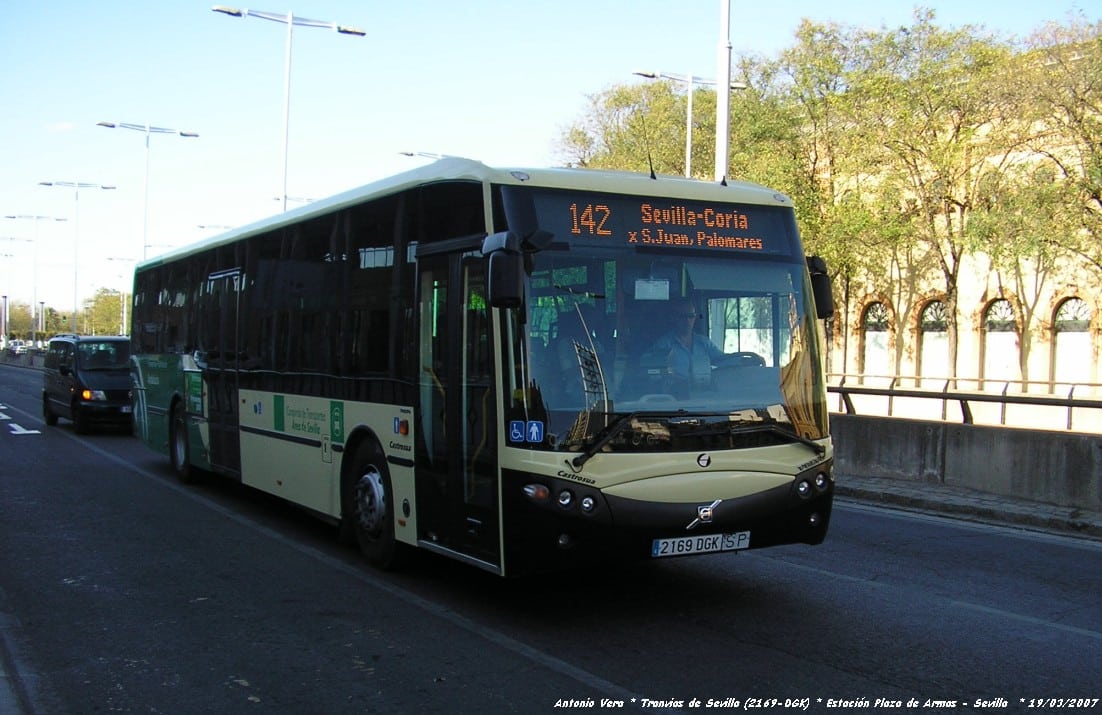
(688, 353)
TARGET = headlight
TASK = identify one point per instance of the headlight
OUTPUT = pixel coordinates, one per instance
(93, 395)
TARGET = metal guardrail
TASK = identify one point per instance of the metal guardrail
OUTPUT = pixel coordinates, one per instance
(965, 398)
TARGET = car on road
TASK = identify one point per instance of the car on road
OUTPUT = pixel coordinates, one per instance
(17, 347)
(86, 379)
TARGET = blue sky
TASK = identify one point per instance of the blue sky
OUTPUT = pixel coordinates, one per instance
(492, 80)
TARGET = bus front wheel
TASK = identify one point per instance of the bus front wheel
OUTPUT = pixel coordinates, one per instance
(369, 507)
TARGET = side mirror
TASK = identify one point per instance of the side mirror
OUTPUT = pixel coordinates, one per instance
(505, 270)
(820, 287)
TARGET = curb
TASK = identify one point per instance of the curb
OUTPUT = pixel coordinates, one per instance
(978, 506)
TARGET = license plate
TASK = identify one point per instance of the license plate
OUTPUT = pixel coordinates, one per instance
(683, 545)
(125, 409)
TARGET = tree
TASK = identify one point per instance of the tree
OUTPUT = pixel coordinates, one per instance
(926, 100)
(19, 320)
(630, 127)
(1064, 79)
(849, 215)
(1018, 216)
(103, 313)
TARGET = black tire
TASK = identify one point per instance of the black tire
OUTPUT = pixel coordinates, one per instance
(178, 447)
(80, 420)
(367, 502)
(48, 414)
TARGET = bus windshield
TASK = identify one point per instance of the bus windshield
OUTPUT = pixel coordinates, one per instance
(663, 333)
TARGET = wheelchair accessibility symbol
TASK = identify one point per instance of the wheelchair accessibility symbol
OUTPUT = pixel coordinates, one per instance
(521, 431)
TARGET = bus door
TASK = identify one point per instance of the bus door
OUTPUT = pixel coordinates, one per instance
(457, 491)
(220, 355)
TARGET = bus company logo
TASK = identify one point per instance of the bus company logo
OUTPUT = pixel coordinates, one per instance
(704, 460)
(704, 514)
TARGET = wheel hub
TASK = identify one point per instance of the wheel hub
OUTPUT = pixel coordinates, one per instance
(371, 502)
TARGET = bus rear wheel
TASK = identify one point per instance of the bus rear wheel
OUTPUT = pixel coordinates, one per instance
(369, 507)
(178, 449)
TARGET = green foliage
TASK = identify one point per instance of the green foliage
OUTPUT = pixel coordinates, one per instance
(103, 314)
(903, 148)
(631, 127)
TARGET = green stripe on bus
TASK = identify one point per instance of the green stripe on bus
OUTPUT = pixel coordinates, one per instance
(336, 421)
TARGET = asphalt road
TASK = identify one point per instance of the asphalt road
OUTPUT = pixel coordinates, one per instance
(124, 591)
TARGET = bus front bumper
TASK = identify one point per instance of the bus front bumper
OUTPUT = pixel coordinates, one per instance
(634, 519)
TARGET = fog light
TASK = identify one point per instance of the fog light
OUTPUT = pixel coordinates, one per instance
(804, 489)
(537, 492)
(565, 542)
(588, 504)
(566, 498)
(815, 520)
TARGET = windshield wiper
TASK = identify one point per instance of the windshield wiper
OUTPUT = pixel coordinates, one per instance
(622, 421)
(611, 431)
(777, 429)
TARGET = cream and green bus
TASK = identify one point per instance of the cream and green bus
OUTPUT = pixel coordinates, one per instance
(518, 369)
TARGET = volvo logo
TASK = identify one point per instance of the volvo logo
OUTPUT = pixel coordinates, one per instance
(704, 514)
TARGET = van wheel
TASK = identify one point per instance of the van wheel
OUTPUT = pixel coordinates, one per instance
(48, 414)
(368, 507)
(80, 420)
(178, 450)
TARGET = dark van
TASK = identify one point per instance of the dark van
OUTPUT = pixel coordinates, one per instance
(86, 379)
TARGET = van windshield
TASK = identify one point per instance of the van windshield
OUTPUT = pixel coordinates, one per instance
(104, 355)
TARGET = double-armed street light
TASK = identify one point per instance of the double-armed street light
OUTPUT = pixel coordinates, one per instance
(148, 130)
(290, 20)
(690, 81)
(76, 186)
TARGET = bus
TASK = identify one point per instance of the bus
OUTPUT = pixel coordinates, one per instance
(482, 363)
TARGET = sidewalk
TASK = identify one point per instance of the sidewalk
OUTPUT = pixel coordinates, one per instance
(971, 505)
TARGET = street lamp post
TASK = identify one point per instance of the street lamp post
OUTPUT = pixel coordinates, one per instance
(689, 81)
(76, 186)
(290, 21)
(11, 257)
(723, 102)
(34, 264)
(4, 310)
(148, 129)
(122, 294)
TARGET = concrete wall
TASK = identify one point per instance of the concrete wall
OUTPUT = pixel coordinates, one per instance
(1062, 468)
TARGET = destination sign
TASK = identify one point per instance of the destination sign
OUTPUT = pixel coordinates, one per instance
(664, 223)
